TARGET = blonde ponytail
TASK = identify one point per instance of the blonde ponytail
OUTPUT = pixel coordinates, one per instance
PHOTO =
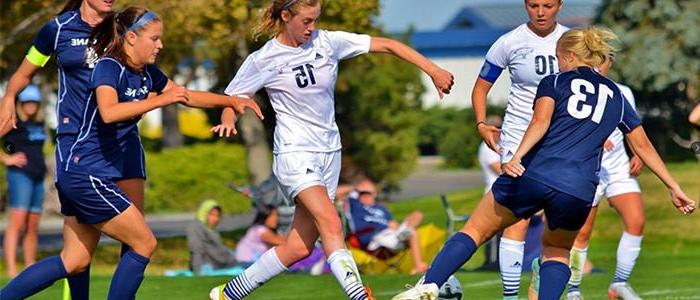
(590, 45)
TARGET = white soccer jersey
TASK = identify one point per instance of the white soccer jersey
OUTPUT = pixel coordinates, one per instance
(486, 158)
(300, 83)
(617, 161)
(529, 58)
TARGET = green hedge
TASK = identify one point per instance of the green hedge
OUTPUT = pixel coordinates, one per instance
(179, 179)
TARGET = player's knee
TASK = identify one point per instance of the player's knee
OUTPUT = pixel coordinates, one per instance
(75, 263)
(635, 227)
(146, 247)
(299, 250)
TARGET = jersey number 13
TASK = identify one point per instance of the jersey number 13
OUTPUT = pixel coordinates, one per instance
(581, 89)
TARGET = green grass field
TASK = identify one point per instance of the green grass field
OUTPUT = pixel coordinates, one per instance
(668, 268)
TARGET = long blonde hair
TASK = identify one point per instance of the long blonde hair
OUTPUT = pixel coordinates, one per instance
(271, 22)
(590, 45)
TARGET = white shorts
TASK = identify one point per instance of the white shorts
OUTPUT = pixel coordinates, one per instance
(392, 239)
(297, 171)
(510, 141)
(615, 184)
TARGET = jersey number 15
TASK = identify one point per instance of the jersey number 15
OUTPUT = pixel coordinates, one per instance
(584, 110)
(301, 75)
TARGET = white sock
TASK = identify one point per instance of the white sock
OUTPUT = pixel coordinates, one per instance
(577, 259)
(627, 254)
(345, 270)
(262, 270)
(510, 261)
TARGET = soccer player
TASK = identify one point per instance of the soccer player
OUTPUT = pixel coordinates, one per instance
(298, 68)
(66, 38)
(619, 185)
(555, 166)
(528, 53)
(123, 84)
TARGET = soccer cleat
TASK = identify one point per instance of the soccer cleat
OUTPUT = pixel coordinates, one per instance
(368, 291)
(419, 292)
(574, 296)
(217, 293)
(534, 289)
(622, 290)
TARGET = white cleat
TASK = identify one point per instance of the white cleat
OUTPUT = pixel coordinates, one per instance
(217, 293)
(622, 290)
(419, 292)
(574, 296)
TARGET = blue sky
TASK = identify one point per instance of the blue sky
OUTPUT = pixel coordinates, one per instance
(431, 15)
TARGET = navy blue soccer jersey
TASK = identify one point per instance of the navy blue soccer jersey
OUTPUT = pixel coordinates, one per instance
(101, 148)
(588, 107)
(368, 220)
(66, 37)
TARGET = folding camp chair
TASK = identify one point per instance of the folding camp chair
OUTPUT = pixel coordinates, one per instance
(452, 217)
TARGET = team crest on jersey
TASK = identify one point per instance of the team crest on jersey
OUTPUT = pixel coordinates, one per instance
(90, 57)
(523, 52)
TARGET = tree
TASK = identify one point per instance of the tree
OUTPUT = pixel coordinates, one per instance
(660, 59)
(376, 96)
(19, 21)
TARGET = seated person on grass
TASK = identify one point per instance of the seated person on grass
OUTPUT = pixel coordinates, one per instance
(259, 237)
(375, 227)
(207, 251)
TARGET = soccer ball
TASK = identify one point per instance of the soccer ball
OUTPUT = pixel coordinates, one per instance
(451, 289)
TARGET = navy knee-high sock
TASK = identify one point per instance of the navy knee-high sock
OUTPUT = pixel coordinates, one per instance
(458, 250)
(80, 285)
(553, 278)
(128, 276)
(34, 279)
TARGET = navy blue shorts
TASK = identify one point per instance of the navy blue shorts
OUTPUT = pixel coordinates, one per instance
(134, 160)
(525, 197)
(91, 199)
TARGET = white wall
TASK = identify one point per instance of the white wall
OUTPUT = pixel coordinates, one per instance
(465, 70)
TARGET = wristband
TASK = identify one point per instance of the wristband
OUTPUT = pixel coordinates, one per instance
(479, 123)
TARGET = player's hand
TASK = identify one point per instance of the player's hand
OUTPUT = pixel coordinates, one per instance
(682, 202)
(443, 81)
(8, 116)
(18, 159)
(636, 166)
(608, 146)
(176, 94)
(491, 136)
(224, 130)
(227, 128)
(240, 105)
(513, 168)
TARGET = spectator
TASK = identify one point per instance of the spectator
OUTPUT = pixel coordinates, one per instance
(260, 237)
(25, 179)
(206, 248)
(376, 228)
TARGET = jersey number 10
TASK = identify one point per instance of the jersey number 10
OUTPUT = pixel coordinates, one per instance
(584, 110)
(541, 64)
(301, 75)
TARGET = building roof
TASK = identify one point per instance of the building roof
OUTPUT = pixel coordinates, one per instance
(476, 27)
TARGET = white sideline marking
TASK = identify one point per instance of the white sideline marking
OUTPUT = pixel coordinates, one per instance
(667, 292)
(474, 284)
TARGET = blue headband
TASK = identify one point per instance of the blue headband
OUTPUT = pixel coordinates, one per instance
(142, 20)
(288, 4)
